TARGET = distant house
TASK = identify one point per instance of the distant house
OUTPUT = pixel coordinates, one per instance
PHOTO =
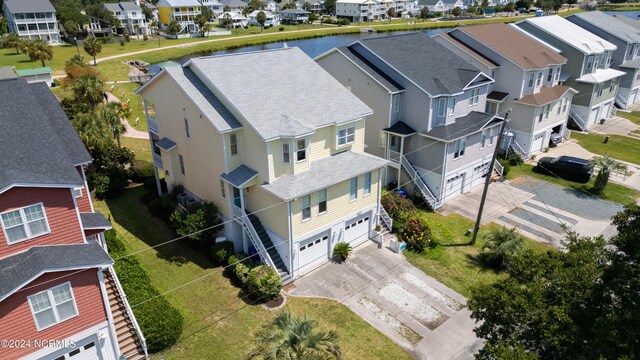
(235, 6)
(98, 27)
(433, 5)
(317, 7)
(183, 11)
(272, 20)
(452, 4)
(367, 10)
(237, 20)
(32, 19)
(132, 19)
(293, 16)
(215, 6)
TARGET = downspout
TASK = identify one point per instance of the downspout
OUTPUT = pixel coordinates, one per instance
(444, 171)
(291, 248)
(107, 308)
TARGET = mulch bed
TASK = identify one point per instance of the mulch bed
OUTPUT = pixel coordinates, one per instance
(276, 303)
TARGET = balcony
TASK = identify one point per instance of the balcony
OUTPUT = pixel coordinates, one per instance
(36, 20)
(152, 124)
(157, 160)
(393, 156)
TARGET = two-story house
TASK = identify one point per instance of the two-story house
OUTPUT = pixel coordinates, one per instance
(527, 78)
(368, 10)
(587, 69)
(132, 19)
(235, 6)
(627, 55)
(56, 279)
(32, 19)
(183, 11)
(432, 5)
(428, 119)
(289, 175)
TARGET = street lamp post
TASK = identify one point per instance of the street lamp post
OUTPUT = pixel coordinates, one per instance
(75, 41)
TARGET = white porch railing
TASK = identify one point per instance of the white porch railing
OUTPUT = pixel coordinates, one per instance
(157, 159)
(582, 124)
(417, 179)
(515, 147)
(620, 100)
(253, 235)
(497, 167)
(386, 219)
(127, 307)
(152, 123)
(394, 156)
(566, 133)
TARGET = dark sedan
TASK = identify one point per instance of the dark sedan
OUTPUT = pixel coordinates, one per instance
(566, 167)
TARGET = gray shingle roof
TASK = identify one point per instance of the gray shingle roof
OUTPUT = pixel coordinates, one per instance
(199, 93)
(233, 3)
(463, 126)
(112, 7)
(129, 6)
(401, 128)
(240, 176)
(497, 96)
(626, 20)
(287, 95)
(28, 6)
(324, 173)
(94, 220)
(631, 64)
(166, 144)
(426, 62)
(371, 69)
(38, 145)
(611, 25)
(294, 12)
(18, 270)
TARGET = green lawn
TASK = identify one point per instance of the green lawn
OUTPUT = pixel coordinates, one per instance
(452, 260)
(135, 103)
(614, 192)
(633, 116)
(619, 147)
(218, 323)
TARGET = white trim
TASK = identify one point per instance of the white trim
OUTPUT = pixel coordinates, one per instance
(346, 136)
(53, 305)
(25, 222)
(75, 338)
(36, 185)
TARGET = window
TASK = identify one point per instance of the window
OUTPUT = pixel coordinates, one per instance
(77, 192)
(531, 78)
(353, 189)
(442, 103)
(559, 106)
(630, 51)
(346, 136)
(286, 155)
(186, 127)
(306, 207)
(395, 106)
(564, 107)
(53, 306)
(547, 108)
(539, 78)
(222, 190)
(544, 113)
(599, 90)
(612, 85)
(451, 107)
(474, 95)
(322, 201)
(233, 144)
(383, 139)
(459, 147)
(367, 184)
(557, 76)
(483, 137)
(492, 134)
(301, 152)
(550, 75)
(589, 65)
(25, 223)
(181, 164)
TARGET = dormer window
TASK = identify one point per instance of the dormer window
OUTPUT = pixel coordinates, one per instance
(233, 144)
(451, 106)
(346, 136)
(589, 66)
(557, 76)
(531, 79)
(550, 75)
(301, 150)
(474, 95)
(539, 79)
(442, 104)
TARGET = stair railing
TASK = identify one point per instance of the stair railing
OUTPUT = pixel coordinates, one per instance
(128, 311)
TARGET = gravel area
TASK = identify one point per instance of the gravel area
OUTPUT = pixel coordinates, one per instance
(394, 323)
(536, 219)
(574, 201)
(566, 219)
(433, 292)
(417, 308)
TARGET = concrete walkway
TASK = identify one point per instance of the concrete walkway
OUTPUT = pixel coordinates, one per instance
(615, 125)
(411, 308)
(130, 131)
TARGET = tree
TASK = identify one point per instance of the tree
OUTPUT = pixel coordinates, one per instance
(40, 50)
(109, 114)
(312, 17)
(509, 7)
(92, 131)
(93, 47)
(261, 18)
(391, 12)
(330, 6)
(198, 223)
(501, 245)
(291, 337)
(200, 20)
(424, 13)
(71, 28)
(13, 41)
(226, 8)
(456, 11)
(88, 89)
(306, 6)
(606, 166)
(206, 29)
(226, 20)
(174, 27)
(253, 5)
(4, 25)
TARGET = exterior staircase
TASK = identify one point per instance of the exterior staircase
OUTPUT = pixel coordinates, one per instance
(130, 340)
(386, 223)
(578, 120)
(514, 147)
(621, 102)
(272, 253)
(427, 194)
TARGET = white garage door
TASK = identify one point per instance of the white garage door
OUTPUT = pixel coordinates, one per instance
(453, 186)
(313, 252)
(86, 349)
(356, 229)
(536, 144)
(478, 173)
(593, 117)
(633, 97)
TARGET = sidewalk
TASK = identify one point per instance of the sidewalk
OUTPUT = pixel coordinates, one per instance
(130, 132)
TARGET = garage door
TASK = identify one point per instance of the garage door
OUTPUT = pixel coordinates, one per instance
(536, 144)
(478, 174)
(356, 229)
(633, 97)
(593, 116)
(85, 349)
(313, 252)
(453, 186)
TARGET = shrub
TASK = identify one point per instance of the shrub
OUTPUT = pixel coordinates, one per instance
(109, 174)
(142, 172)
(281, 28)
(515, 159)
(241, 271)
(506, 165)
(264, 283)
(241, 264)
(121, 42)
(195, 220)
(399, 209)
(342, 250)
(220, 252)
(416, 234)
(500, 246)
(145, 37)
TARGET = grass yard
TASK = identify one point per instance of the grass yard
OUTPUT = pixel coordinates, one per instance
(218, 323)
(633, 116)
(136, 102)
(619, 147)
(614, 192)
(451, 260)
(140, 147)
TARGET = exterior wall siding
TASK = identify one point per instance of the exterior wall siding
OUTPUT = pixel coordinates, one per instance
(60, 211)
(554, 116)
(84, 201)
(275, 217)
(15, 313)
(472, 152)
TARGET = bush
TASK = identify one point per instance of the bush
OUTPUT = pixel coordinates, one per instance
(398, 208)
(416, 234)
(195, 220)
(506, 165)
(145, 37)
(515, 159)
(142, 172)
(220, 252)
(109, 174)
(342, 250)
(281, 28)
(501, 245)
(241, 264)
(263, 283)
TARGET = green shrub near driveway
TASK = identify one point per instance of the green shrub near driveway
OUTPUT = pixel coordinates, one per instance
(221, 252)
(399, 209)
(263, 283)
(341, 251)
(416, 234)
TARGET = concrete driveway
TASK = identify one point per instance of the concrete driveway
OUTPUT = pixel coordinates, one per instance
(413, 309)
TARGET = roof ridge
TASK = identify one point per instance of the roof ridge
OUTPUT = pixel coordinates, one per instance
(243, 53)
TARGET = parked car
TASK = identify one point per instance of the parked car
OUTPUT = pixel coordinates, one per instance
(523, 10)
(566, 167)
(555, 139)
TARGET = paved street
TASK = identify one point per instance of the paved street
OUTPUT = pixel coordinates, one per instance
(413, 309)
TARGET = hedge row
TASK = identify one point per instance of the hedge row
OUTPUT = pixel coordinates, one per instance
(161, 323)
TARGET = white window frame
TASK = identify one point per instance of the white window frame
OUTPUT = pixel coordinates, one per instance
(612, 86)
(233, 144)
(492, 135)
(305, 206)
(451, 106)
(353, 189)
(346, 136)
(383, 139)
(556, 77)
(550, 75)
(442, 106)
(323, 197)
(186, 127)
(560, 106)
(77, 192)
(182, 169)
(395, 104)
(538, 78)
(474, 96)
(286, 152)
(532, 77)
(564, 107)
(483, 138)
(303, 150)
(223, 190)
(24, 223)
(589, 64)
(459, 147)
(53, 306)
(366, 187)
(599, 89)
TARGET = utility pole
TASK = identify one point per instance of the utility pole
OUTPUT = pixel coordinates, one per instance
(487, 181)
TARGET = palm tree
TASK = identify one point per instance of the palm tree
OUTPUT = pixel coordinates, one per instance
(92, 131)
(88, 88)
(93, 47)
(40, 50)
(109, 114)
(501, 244)
(291, 337)
(13, 41)
(606, 166)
